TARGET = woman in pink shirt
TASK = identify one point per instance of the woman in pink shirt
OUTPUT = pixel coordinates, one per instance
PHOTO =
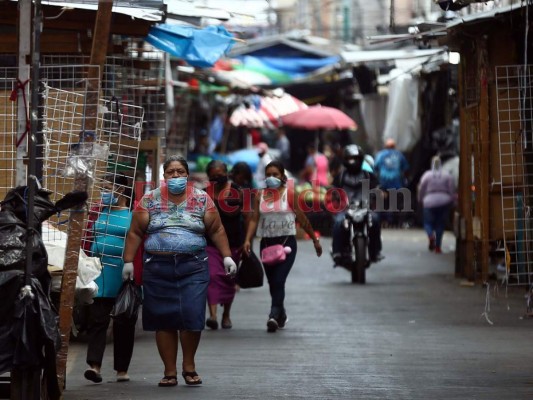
(316, 168)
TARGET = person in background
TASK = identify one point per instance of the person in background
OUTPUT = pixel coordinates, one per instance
(351, 180)
(106, 234)
(241, 175)
(436, 193)
(228, 199)
(275, 212)
(264, 160)
(391, 167)
(255, 135)
(335, 161)
(284, 146)
(216, 131)
(316, 169)
(173, 221)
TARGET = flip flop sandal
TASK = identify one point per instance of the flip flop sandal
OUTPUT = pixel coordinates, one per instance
(191, 375)
(211, 323)
(168, 380)
(226, 325)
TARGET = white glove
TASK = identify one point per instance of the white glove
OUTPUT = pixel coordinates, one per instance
(127, 271)
(230, 266)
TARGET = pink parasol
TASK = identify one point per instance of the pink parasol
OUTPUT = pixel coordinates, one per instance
(319, 117)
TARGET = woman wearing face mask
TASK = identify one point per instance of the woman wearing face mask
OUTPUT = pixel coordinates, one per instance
(173, 221)
(276, 210)
(228, 199)
(108, 225)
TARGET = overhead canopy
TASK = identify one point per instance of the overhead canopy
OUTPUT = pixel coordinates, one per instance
(244, 78)
(150, 10)
(360, 56)
(265, 111)
(198, 47)
(283, 70)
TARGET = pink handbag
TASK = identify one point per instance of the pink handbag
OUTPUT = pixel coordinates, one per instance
(275, 254)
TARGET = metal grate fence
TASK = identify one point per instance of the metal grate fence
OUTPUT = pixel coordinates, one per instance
(514, 85)
(64, 146)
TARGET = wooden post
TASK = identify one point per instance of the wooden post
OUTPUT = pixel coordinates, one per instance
(484, 136)
(77, 216)
(466, 250)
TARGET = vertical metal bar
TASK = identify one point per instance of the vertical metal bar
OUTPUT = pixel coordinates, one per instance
(32, 181)
(24, 50)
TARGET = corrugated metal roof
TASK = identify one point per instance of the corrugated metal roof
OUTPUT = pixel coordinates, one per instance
(486, 15)
(354, 57)
(149, 10)
(176, 8)
(154, 4)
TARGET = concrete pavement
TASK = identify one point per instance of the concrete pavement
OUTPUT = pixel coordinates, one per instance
(412, 332)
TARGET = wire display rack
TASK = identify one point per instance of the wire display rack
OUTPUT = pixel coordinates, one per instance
(135, 77)
(515, 132)
(8, 127)
(108, 155)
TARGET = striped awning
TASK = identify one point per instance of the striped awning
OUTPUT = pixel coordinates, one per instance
(269, 112)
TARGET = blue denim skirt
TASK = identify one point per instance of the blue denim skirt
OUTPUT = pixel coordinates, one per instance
(175, 291)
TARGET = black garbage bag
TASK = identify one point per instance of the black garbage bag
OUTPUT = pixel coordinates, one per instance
(13, 237)
(14, 232)
(16, 200)
(29, 323)
(29, 330)
(127, 303)
(250, 273)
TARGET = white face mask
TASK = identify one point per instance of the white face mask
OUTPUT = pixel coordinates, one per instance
(272, 182)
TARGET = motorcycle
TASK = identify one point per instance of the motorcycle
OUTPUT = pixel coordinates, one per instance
(357, 222)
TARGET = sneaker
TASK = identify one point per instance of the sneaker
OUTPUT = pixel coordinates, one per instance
(92, 375)
(282, 322)
(272, 325)
(123, 377)
(438, 250)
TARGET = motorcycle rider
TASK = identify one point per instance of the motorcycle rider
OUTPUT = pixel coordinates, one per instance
(356, 183)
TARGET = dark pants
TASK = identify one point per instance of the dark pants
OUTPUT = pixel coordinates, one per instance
(435, 220)
(277, 274)
(395, 212)
(341, 237)
(123, 335)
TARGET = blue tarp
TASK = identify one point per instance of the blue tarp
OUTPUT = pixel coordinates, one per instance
(293, 66)
(198, 47)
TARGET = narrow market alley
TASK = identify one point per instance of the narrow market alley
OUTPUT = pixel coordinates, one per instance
(412, 332)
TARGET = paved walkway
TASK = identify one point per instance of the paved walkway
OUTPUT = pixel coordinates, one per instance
(412, 332)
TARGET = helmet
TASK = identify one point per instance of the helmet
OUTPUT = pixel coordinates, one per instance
(353, 150)
(353, 156)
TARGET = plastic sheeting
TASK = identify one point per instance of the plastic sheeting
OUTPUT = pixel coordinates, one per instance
(294, 67)
(198, 47)
(403, 122)
(29, 333)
